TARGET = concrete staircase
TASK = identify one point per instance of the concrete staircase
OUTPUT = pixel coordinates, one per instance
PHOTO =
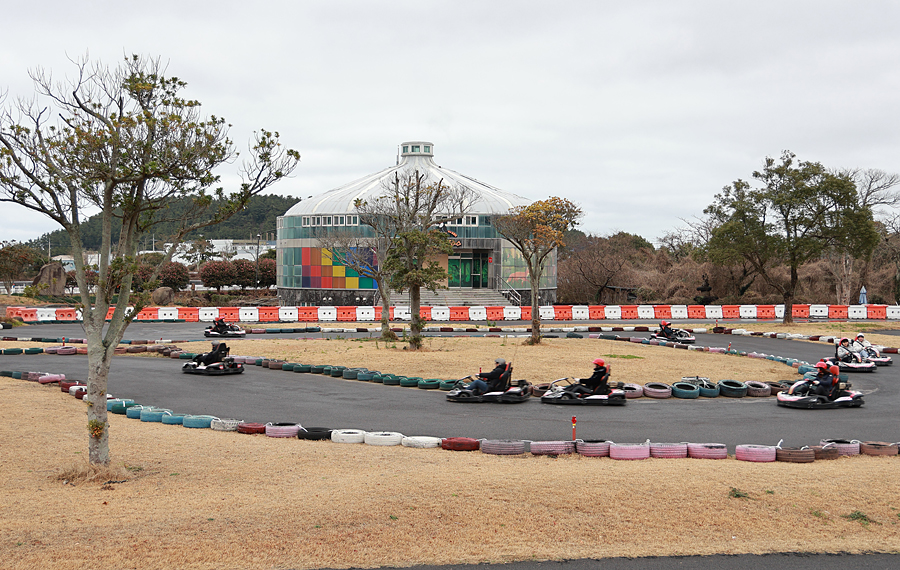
(454, 298)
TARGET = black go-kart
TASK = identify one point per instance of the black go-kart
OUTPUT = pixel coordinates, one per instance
(516, 392)
(224, 330)
(803, 395)
(564, 392)
(213, 363)
(678, 335)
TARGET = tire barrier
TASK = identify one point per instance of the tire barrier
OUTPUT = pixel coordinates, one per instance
(795, 454)
(669, 450)
(421, 441)
(845, 447)
(503, 446)
(314, 433)
(825, 452)
(121, 407)
(51, 378)
(198, 421)
(430, 384)
(685, 391)
(756, 453)
(552, 447)
(67, 350)
(134, 412)
(658, 390)
(539, 390)
(229, 424)
(350, 373)
(877, 448)
(460, 444)
(708, 451)
(447, 385)
(592, 447)
(251, 428)
(173, 420)
(757, 389)
(348, 436)
(633, 390)
(337, 371)
(304, 368)
(154, 414)
(390, 380)
(732, 388)
(385, 438)
(629, 451)
(411, 382)
(282, 429)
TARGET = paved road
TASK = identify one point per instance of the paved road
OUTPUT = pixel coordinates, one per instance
(267, 395)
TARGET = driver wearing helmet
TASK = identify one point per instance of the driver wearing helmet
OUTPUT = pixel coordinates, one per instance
(825, 382)
(490, 381)
(597, 383)
(843, 352)
(666, 330)
(220, 326)
(862, 347)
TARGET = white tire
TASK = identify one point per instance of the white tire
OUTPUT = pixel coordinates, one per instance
(383, 438)
(348, 436)
(421, 441)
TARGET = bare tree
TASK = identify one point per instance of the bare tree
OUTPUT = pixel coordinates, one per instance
(128, 144)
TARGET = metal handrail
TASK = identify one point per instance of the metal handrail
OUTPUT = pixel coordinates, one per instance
(507, 291)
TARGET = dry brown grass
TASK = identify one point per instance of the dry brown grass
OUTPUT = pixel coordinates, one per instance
(204, 499)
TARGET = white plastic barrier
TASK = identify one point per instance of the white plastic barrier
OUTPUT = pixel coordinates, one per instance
(288, 314)
(45, 314)
(248, 314)
(475, 314)
(509, 313)
(818, 311)
(208, 314)
(581, 313)
(646, 312)
(857, 312)
(679, 311)
(893, 311)
(747, 311)
(168, 312)
(440, 313)
(365, 313)
(327, 313)
(547, 313)
(613, 312)
(402, 314)
(714, 312)
(779, 311)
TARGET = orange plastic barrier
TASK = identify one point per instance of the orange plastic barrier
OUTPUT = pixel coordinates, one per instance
(629, 311)
(190, 314)
(800, 311)
(378, 314)
(765, 311)
(459, 313)
(425, 313)
(872, 311)
(230, 314)
(837, 311)
(268, 314)
(731, 311)
(307, 314)
(494, 313)
(28, 314)
(66, 314)
(562, 312)
(526, 313)
(596, 312)
(147, 314)
(662, 311)
(347, 313)
(12, 312)
(109, 313)
(696, 311)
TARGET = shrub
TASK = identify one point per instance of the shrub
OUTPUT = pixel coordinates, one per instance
(244, 273)
(175, 275)
(217, 274)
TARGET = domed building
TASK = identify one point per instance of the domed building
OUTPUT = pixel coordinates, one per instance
(308, 274)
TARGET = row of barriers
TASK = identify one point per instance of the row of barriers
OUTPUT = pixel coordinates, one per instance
(444, 314)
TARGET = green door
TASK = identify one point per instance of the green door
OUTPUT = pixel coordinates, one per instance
(465, 272)
(453, 270)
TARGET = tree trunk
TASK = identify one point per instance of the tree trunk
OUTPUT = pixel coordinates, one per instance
(788, 296)
(535, 307)
(415, 324)
(386, 332)
(98, 382)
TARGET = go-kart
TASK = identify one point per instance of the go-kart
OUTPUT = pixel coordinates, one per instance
(564, 392)
(213, 363)
(678, 335)
(516, 392)
(230, 330)
(852, 366)
(803, 395)
(872, 354)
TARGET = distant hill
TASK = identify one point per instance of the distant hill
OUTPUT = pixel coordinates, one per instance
(257, 218)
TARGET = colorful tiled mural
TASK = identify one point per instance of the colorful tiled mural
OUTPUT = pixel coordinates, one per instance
(319, 268)
(515, 272)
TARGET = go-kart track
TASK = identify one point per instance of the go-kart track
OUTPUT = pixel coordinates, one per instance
(263, 395)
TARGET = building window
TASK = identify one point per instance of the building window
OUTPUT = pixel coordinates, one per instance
(486, 220)
(415, 148)
(405, 149)
(326, 221)
(471, 220)
(305, 220)
(427, 148)
(318, 221)
(352, 220)
(340, 221)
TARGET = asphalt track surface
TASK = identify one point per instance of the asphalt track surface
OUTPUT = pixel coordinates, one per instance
(262, 395)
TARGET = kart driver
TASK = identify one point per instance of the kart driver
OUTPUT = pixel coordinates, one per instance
(844, 353)
(862, 347)
(495, 377)
(597, 383)
(220, 326)
(825, 382)
(665, 330)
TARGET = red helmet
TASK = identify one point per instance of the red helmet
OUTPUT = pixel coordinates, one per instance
(821, 364)
(599, 362)
(664, 323)
(843, 340)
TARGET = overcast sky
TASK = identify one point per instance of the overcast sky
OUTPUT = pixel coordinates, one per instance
(638, 111)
